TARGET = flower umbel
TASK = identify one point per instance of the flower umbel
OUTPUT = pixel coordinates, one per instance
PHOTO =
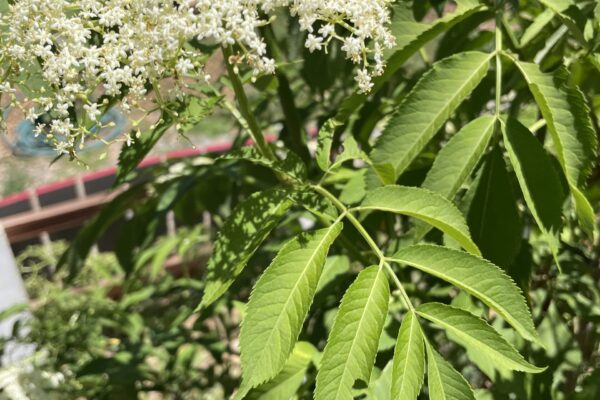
(86, 52)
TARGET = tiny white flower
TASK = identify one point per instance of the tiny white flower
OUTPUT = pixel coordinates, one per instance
(313, 42)
(92, 111)
(364, 80)
(184, 66)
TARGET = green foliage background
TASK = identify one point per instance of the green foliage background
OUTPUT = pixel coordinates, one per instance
(441, 243)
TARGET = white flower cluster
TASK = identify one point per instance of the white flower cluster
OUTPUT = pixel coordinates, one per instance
(89, 53)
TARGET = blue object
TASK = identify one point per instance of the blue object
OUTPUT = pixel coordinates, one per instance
(29, 145)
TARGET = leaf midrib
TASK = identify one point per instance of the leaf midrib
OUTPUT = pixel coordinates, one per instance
(457, 94)
(501, 310)
(468, 337)
(359, 329)
(434, 365)
(410, 340)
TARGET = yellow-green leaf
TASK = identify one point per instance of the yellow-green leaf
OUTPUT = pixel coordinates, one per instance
(476, 276)
(425, 205)
(477, 335)
(409, 359)
(352, 345)
(427, 107)
(279, 303)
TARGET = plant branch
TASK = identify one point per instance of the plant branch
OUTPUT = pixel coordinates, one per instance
(372, 244)
(500, 4)
(242, 99)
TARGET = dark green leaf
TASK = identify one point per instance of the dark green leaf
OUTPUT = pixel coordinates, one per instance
(249, 224)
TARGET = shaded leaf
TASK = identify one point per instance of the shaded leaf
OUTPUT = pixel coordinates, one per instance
(197, 109)
(379, 389)
(571, 16)
(538, 24)
(567, 116)
(350, 151)
(248, 225)
(493, 216)
(131, 155)
(79, 249)
(324, 142)
(539, 181)
(334, 267)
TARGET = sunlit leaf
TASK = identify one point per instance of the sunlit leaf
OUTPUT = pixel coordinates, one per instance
(427, 107)
(352, 345)
(288, 381)
(409, 359)
(477, 335)
(444, 382)
(476, 276)
(424, 205)
(279, 303)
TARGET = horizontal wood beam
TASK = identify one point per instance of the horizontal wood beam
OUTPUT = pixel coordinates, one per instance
(53, 219)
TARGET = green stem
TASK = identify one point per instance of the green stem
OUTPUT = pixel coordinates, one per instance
(363, 232)
(537, 125)
(240, 94)
(294, 135)
(498, 57)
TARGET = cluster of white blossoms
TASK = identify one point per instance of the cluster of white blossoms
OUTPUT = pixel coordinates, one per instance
(89, 54)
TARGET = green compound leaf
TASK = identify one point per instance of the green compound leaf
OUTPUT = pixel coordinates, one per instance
(410, 37)
(279, 303)
(424, 205)
(324, 143)
(427, 107)
(459, 157)
(246, 228)
(292, 165)
(131, 155)
(536, 27)
(492, 215)
(409, 359)
(444, 382)
(477, 335)
(571, 16)
(352, 346)
(539, 181)
(288, 381)
(476, 276)
(567, 115)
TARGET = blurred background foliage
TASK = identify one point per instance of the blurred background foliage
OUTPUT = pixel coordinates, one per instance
(121, 325)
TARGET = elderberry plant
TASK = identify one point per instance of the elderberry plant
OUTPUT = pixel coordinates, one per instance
(422, 194)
